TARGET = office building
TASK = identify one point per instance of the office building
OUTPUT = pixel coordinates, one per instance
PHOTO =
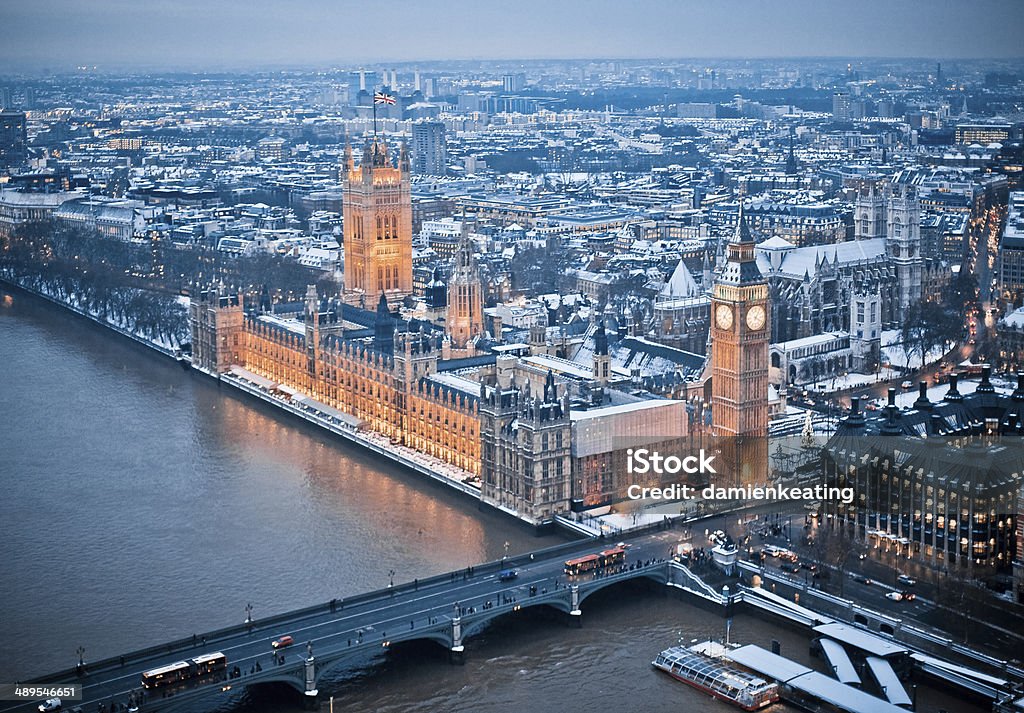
(13, 139)
(429, 148)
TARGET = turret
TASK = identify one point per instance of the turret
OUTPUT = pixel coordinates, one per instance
(384, 327)
(403, 159)
(367, 164)
(601, 366)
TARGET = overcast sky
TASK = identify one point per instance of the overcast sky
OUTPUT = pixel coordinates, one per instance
(239, 33)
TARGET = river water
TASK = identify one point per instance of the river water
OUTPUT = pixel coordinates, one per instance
(142, 503)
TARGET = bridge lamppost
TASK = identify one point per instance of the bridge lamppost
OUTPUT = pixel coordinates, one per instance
(505, 556)
(248, 615)
(81, 658)
(391, 576)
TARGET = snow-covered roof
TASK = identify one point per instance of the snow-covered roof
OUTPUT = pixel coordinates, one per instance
(680, 284)
(813, 340)
(622, 408)
(1015, 319)
(776, 242)
(799, 261)
(456, 382)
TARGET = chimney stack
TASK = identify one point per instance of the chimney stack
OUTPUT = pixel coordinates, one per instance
(953, 394)
(922, 403)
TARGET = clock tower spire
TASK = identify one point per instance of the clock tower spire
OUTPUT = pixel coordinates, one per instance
(739, 359)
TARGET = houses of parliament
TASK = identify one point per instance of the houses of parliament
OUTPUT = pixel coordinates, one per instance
(537, 433)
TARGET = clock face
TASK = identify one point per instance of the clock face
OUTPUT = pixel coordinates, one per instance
(723, 316)
(755, 317)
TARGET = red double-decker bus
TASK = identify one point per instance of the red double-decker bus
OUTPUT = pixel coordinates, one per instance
(587, 563)
(616, 555)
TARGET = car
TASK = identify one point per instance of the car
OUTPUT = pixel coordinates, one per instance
(809, 565)
(907, 580)
(907, 384)
(908, 596)
(507, 575)
(862, 556)
(894, 596)
(790, 567)
(859, 578)
(50, 705)
(282, 641)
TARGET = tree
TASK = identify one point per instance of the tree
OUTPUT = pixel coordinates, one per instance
(833, 548)
(962, 596)
(927, 325)
(962, 295)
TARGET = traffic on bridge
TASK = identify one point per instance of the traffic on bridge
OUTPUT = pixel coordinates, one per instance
(297, 648)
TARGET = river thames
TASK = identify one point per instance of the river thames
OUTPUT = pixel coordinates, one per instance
(142, 503)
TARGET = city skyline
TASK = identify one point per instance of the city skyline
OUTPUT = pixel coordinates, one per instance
(347, 353)
(59, 34)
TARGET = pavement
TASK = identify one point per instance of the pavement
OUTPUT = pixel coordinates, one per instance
(364, 626)
(998, 625)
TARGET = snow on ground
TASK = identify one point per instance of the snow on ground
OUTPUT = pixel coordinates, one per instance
(937, 393)
(849, 381)
(892, 351)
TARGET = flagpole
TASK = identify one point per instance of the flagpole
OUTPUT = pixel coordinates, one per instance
(375, 117)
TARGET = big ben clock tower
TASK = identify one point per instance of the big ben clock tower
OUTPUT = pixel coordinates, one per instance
(739, 361)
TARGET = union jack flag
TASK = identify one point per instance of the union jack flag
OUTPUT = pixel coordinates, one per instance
(382, 98)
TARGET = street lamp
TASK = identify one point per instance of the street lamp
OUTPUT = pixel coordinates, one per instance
(391, 575)
(248, 614)
(505, 556)
(81, 657)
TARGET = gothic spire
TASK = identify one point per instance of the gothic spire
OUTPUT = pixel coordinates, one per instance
(743, 234)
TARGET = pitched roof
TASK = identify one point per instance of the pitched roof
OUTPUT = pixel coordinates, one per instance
(680, 284)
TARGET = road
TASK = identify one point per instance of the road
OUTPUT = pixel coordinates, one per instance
(998, 623)
(368, 624)
(411, 610)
